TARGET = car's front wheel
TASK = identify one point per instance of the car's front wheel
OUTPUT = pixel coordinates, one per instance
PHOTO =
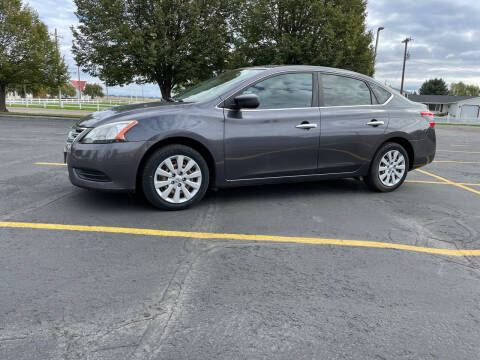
(389, 168)
(175, 177)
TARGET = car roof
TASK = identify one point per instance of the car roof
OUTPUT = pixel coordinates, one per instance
(281, 68)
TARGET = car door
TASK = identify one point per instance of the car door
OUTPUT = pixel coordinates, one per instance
(352, 123)
(281, 136)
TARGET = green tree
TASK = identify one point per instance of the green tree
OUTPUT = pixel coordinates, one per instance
(22, 90)
(57, 74)
(66, 89)
(169, 42)
(93, 90)
(25, 47)
(316, 32)
(434, 87)
(69, 90)
(462, 89)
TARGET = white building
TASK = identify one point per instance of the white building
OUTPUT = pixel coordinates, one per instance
(466, 107)
(469, 108)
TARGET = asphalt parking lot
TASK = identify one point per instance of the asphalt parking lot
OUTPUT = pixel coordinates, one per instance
(197, 288)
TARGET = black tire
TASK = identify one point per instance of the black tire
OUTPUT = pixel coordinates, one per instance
(155, 160)
(373, 178)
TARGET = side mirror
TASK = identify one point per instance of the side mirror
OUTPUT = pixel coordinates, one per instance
(246, 101)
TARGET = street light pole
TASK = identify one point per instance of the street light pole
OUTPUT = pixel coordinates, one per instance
(376, 41)
(404, 60)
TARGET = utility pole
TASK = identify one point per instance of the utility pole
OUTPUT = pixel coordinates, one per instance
(406, 41)
(59, 86)
(376, 41)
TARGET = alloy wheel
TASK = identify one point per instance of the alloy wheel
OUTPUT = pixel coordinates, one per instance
(391, 168)
(178, 179)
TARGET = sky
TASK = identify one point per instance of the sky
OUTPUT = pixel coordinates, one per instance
(446, 40)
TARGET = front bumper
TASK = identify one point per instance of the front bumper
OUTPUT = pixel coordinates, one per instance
(118, 162)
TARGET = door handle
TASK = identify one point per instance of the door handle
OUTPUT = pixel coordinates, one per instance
(306, 126)
(375, 122)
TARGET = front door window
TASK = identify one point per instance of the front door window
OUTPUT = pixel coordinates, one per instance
(284, 91)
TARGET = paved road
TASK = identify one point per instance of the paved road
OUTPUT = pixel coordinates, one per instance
(102, 295)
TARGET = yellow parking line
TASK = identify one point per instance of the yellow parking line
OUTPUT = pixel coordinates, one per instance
(50, 163)
(464, 187)
(460, 151)
(426, 182)
(457, 162)
(244, 237)
(438, 182)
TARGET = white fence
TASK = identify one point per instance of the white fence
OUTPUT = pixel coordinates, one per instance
(456, 120)
(73, 103)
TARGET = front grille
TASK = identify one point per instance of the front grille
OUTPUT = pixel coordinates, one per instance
(92, 175)
(73, 134)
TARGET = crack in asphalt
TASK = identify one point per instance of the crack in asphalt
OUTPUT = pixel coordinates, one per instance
(36, 205)
(13, 338)
(153, 336)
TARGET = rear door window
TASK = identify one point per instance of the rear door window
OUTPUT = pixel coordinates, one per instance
(344, 91)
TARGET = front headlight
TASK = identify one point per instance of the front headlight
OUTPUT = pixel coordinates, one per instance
(108, 133)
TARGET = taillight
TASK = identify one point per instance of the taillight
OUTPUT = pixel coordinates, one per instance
(429, 117)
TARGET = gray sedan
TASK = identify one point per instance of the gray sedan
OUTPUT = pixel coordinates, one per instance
(253, 126)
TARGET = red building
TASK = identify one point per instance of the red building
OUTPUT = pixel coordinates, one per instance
(79, 83)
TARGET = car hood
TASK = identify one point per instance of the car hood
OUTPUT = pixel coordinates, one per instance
(130, 112)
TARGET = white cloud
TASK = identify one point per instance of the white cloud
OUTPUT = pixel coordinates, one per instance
(445, 41)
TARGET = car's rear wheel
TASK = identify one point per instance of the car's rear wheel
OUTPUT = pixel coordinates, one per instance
(175, 177)
(388, 169)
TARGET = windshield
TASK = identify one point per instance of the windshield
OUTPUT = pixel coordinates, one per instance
(210, 89)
